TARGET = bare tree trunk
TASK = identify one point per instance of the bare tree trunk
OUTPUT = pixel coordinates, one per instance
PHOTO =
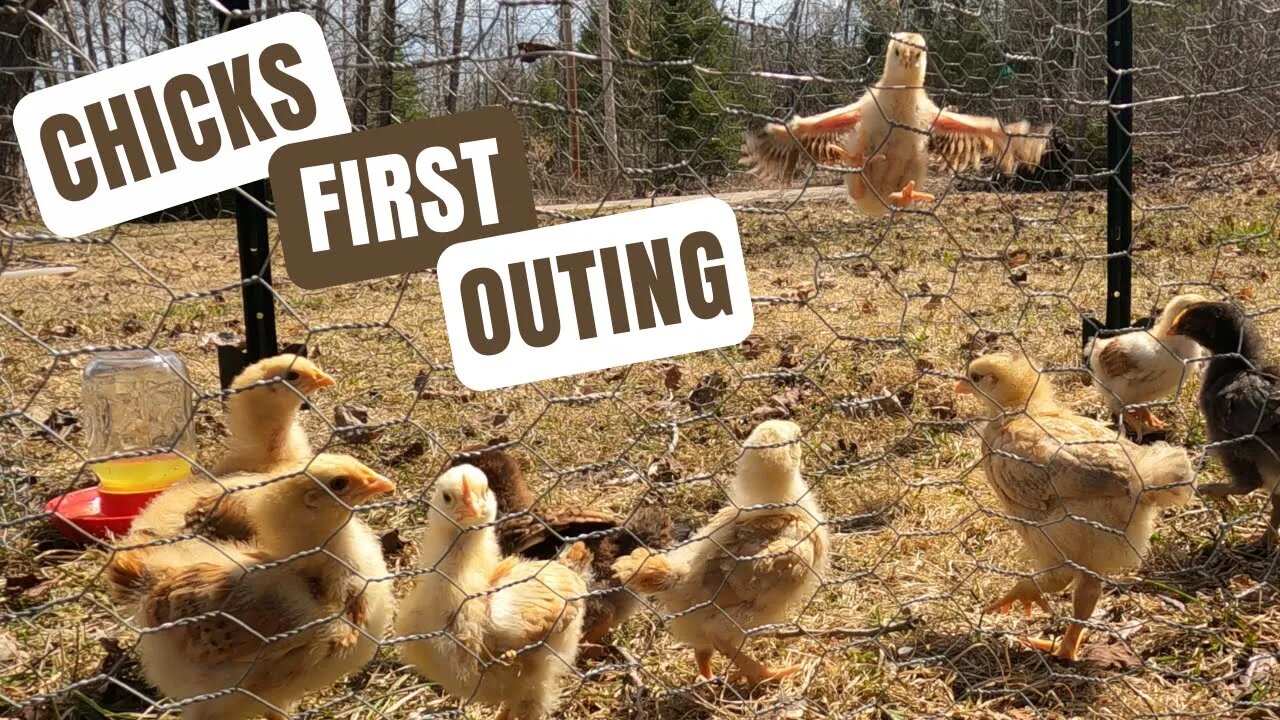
(455, 49)
(571, 89)
(193, 20)
(20, 49)
(169, 16)
(388, 57)
(88, 31)
(605, 18)
(69, 28)
(360, 94)
(106, 33)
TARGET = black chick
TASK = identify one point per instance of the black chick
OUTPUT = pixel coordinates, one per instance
(543, 534)
(1240, 400)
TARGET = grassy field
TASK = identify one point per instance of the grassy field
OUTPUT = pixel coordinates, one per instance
(860, 328)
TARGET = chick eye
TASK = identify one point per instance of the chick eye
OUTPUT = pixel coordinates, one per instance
(448, 498)
(976, 377)
(292, 376)
(339, 484)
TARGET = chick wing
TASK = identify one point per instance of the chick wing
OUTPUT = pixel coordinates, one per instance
(233, 615)
(761, 550)
(1249, 405)
(533, 600)
(1039, 464)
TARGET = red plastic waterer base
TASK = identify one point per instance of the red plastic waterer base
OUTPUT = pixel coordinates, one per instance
(82, 512)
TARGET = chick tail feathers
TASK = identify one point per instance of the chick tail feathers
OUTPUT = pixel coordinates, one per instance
(1166, 474)
(128, 577)
(646, 573)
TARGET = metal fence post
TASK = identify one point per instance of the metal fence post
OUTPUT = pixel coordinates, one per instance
(255, 259)
(1119, 161)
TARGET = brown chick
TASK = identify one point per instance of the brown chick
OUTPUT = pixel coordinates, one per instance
(265, 437)
(500, 631)
(544, 534)
(1083, 496)
(254, 616)
(755, 564)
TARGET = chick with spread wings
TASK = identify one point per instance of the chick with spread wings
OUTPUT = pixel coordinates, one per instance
(886, 137)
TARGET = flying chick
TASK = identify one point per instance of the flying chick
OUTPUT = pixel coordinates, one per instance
(1083, 500)
(887, 135)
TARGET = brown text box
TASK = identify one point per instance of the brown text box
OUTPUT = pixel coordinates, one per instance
(389, 201)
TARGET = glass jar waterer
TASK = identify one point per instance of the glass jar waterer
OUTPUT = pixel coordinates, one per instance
(136, 410)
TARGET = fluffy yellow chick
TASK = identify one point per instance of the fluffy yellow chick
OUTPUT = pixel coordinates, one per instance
(262, 415)
(265, 437)
(886, 135)
(1144, 367)
(755, 564)
(264, 625)
(501, 631)
(1082, 496)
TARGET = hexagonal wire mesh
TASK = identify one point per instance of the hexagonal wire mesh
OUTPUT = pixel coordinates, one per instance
(862, 327)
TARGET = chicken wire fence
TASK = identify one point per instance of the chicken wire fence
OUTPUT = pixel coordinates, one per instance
(862, 328)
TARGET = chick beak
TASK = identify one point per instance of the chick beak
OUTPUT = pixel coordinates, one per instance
(320, 379)
(373, 485)
(467, 510)
(963, 388)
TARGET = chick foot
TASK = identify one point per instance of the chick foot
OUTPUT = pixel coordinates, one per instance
(1025, 592)
(1057, 648)
(909, 194)
(1142, 421)
(759, 676)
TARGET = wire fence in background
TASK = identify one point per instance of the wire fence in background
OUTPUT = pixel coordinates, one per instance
(863, 327)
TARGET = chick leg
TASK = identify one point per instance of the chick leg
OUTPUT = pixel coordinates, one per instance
(1083, 602)
(703, 659)
(1245, 478)
(909, 194)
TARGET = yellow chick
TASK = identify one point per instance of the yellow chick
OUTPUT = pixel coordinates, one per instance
(266, 623)
(262, 415)
(265, 437)
(755, 564)
(1083, 497)
(501, 631)
(1144, 367)
(886, 134)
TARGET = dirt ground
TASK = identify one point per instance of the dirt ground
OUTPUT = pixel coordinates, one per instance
(861, 327)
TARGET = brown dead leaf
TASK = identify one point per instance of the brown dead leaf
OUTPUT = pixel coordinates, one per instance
(704, 396)
(752, 347)
(671, 378)
(348, 421)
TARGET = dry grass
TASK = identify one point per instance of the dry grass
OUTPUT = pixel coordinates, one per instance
(850, 311)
